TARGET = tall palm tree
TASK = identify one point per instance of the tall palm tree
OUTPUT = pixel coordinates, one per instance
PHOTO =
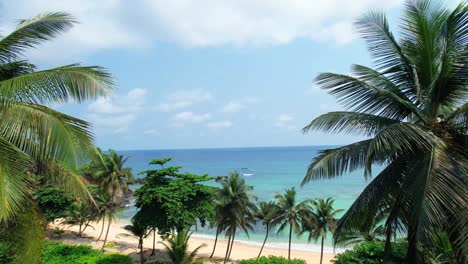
(110, 171)
(236, 207)
(138, 231)
(291, 213)
(413, 108)
(30, 131)
(177, 248)
(321, 221)
(267, 213)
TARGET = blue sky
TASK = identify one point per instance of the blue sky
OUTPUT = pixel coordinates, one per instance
(207, 73)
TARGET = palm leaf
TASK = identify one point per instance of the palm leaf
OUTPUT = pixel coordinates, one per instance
(29, 33)
(349, 122)
(14, 187)
(330, 163)
(58, 85)
(46, 134)
(360, 96)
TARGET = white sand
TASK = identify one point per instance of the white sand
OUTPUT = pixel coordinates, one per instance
(242, 250)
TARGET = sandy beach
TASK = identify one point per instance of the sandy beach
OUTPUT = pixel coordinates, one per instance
(128, 245)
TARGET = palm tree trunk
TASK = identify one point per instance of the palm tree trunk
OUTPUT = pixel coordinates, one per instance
(321, 250)
(86, 226)
(154, 241)
(216, 241)
(232, 243)
(110, 218)
(227, 248)
(102, 228)
(412, 254)
(289, 247)
(141, 250)
(107, 233)
(79, 229)
(264, 241)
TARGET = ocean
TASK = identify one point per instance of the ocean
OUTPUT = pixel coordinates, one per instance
(269, 169)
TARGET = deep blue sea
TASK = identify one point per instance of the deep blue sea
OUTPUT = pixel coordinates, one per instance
(269, 169)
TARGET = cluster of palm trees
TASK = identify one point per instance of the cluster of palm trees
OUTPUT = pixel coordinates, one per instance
(237, 210)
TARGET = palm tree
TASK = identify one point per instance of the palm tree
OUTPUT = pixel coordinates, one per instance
(80, 214)
(219, 223)
(236, 207)
(266, 213)
(412, 107)
(321, 221)
(30, 131)
(138, 231)
(177, 248)
(291, 213)
(112, 176)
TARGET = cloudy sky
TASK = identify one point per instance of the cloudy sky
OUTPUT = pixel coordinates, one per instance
(206, 73)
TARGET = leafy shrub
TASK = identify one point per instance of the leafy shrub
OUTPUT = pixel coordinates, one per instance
(371, 253)
(113, 258)
(5, 253)
(59, 253)
(272, 260)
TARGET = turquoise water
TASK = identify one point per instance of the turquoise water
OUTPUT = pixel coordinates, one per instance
(270, 170)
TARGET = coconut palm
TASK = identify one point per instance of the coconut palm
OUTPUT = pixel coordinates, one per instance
(236, 207)
(30, 131)
(321, 221)
(219, 223)
(291, 213)
(267, 214)
(177, 248)
(412, 108)
(138, 231)
(80, 214)
(110, 171)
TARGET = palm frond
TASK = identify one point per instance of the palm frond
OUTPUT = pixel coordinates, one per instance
(398, 139)
(46, 134)
(388, 55)
(449, 85)
(360, 96)
(57, 85)
(31, 32)
(349, 122)
(331, 163)
(15, 186)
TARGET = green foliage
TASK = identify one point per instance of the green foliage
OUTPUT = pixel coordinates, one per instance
(5, 252)
(412, 106)
(176, 247)
(272, 260)
(171, 200)
(371, 253)
(59, 253)
(53, 202)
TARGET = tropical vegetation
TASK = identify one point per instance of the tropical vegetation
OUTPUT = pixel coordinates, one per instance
(59, 253)
(272, 260)
(412, 108)
(34, 138)
(176, 247)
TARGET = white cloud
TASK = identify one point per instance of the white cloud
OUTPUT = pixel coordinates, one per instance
(190, 117)
(151, 132)
(232, 107)
(118, 111)
(183, 99)
(219, 124)
(284, 121)
(114, 24)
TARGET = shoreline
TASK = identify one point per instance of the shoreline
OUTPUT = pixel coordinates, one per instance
(241, 250)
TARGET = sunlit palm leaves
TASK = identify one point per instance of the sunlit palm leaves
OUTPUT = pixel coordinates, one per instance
(412, 107)
(31, 133)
